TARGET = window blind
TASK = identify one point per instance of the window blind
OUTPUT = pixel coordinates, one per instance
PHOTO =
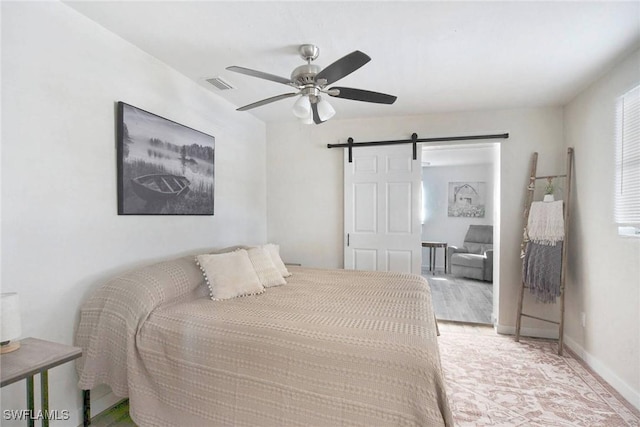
(627, 191)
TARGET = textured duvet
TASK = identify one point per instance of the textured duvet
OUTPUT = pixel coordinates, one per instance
(329, 348)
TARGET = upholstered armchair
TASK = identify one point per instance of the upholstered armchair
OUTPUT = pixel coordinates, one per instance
(475, 258)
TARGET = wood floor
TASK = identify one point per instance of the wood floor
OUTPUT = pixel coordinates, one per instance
(460, 300)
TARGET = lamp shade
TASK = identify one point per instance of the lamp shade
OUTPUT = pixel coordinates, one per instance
(325, 110)
(302, 107)
(10, 316)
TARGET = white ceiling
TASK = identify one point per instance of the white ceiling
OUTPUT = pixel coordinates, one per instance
(435, 56)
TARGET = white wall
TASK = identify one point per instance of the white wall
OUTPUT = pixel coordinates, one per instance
(603, 280)
(438, 226)
(61, 236)
(305, 184)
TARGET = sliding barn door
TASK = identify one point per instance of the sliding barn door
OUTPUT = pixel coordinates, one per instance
(382, 191)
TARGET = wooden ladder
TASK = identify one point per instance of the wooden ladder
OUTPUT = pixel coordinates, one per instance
(529, 199)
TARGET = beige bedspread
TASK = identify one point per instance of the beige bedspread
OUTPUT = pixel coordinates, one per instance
(329, 348)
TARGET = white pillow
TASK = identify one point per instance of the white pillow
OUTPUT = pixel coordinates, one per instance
(229, 275)
(274, 252)
(265, 269)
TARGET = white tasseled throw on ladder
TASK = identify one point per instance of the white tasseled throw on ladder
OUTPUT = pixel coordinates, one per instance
(546, 223)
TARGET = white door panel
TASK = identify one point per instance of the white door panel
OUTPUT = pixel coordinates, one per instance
(365, 164)
(399, 215)
(365, 195)
(365, 259)
(382, 210)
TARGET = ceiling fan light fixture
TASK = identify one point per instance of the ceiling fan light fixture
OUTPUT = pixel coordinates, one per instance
(325, 110)
(308, 120)
(302, 107)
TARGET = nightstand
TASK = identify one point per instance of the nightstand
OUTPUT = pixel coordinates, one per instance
(36, 356)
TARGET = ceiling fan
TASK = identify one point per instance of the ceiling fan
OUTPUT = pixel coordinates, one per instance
(311, 81)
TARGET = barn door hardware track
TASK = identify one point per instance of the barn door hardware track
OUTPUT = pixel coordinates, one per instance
(414, 141)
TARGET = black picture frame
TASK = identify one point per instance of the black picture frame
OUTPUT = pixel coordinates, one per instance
(164, 168)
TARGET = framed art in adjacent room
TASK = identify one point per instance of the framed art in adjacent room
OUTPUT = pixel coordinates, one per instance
(164, 168)
(467, 199)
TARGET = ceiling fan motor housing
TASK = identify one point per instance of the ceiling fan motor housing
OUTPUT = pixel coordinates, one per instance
(305, 74)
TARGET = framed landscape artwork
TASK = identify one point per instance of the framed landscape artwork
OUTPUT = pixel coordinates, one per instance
(164, 168)
(467, 199)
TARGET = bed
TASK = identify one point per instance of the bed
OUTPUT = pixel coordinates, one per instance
(331, 347)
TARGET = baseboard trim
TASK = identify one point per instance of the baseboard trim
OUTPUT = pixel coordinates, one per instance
(632, 396)
(528, 332)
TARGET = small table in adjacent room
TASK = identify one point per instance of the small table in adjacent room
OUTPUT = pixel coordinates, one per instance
(433, 251)
(36, 356)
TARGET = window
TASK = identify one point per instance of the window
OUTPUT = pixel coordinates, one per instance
(627, 191)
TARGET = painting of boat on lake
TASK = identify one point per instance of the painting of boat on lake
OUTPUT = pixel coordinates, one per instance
(164, 168)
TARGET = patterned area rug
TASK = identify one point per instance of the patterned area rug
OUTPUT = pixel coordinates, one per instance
(494, 381)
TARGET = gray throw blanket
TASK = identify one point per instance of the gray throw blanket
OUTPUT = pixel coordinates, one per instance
(541, 270)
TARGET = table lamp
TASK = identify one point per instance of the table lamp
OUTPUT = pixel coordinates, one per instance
(10, 327)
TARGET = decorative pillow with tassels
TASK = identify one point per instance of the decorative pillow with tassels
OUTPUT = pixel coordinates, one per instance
(229, 275)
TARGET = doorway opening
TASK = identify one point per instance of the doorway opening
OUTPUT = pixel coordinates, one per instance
(460, 230)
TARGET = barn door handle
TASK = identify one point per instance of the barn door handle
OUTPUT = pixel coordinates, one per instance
(347, 239)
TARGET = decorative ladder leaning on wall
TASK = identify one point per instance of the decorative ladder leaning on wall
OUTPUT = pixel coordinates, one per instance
(549, 243)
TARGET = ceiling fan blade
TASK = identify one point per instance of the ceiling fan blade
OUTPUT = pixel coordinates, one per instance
(364, 95)
(260, 75)
(343, 67)
(267, 101)
(316, 116)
